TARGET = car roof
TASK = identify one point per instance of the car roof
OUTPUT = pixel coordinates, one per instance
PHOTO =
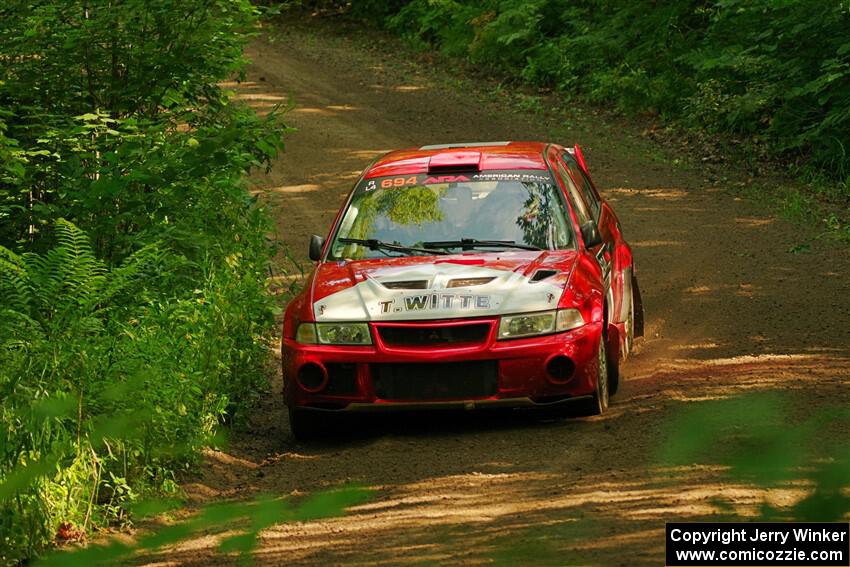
(484, 156)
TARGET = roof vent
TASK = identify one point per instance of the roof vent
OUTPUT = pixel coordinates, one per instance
(462, 145)
(454, 161)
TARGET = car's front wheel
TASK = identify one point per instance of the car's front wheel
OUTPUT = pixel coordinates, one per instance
(629, 341)
(600, 397)
(599, 402)
(306, 425)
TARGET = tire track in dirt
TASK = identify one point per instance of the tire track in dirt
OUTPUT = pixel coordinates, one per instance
(729, 310)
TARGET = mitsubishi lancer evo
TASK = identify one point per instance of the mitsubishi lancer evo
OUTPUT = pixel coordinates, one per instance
(464, 276)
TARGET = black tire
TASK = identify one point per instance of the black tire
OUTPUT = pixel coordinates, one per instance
(307, 425)
(599, 403)
(628, 343)
(614, 359)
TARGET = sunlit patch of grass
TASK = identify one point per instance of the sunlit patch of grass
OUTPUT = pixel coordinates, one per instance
(529, 103)
(234, 526)
(797, 206)
(814, 205)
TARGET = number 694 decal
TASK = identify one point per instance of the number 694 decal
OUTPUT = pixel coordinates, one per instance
(398, 182)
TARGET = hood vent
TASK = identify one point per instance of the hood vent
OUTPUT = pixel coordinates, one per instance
(408, 284)
(540, 275)
(469, 282)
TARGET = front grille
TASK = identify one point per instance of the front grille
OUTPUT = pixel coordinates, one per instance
(424, 335)
(342, 380)
(436, 381)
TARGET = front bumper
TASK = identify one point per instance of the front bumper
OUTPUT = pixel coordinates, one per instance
(484, 404)
(522, 376)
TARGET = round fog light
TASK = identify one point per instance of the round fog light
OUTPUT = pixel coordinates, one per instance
(312, 377)
(560, 369)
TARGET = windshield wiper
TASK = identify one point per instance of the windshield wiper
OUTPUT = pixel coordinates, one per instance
(470, 243)
(374, 244)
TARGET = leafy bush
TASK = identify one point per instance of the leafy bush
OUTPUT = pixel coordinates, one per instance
(756, 441)
(441, 22)
(775, 72)
(117, 111)
(133, 258)
(104, 342)
(237, 523)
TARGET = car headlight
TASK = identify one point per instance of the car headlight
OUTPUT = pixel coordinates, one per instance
(568, 319)
(539, 323)
(306, 334)
(333, 334)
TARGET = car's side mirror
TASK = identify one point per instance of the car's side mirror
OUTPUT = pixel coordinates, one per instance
(590, 234)
(316, 245)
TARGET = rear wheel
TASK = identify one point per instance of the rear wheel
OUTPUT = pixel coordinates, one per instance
(624, 351)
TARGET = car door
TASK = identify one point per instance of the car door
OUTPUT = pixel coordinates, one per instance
(588, 210)
(622, 282)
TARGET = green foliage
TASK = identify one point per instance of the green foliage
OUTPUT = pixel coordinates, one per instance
(108, 344)
(751, 437)
(117, 113)
(777, 73)
(242, 521)
(372, 10)
(133, 260)
(440, 22)
(132, 58)
(783, 72)
(59, 350)
(411, 206)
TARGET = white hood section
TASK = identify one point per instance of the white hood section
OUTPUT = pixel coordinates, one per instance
(371, 300)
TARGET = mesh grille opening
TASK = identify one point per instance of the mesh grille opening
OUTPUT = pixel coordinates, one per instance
(419, 335)
(438, 381)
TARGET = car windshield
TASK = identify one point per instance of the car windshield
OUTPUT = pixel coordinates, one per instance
(485, 212)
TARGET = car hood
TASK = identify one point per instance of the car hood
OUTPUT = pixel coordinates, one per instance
(418, 288)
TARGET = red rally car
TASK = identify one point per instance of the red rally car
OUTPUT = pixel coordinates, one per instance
(464, 275)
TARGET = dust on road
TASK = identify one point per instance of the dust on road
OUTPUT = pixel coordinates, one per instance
(729, 310)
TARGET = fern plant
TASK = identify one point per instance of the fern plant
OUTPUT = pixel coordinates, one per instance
(57, 324)
(68, 287)
(112, 378)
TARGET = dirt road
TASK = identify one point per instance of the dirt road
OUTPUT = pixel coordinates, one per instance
(735, 302)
